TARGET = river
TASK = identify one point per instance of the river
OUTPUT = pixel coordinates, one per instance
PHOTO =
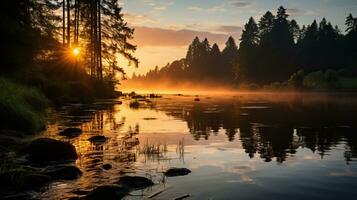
(238, 146)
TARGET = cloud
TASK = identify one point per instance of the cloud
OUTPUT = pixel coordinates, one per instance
(299, 12)
(147, 36)
(229, 29)
(241, 3)
(139, 19)
(212, 9)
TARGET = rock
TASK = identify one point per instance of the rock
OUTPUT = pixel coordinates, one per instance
(71, 132)
(107, 192)
(177, 172)
(47, 150)
(23, 179)
(135, 182)
(107, 166)
(197, 99)
(64, 173)
(98, 139)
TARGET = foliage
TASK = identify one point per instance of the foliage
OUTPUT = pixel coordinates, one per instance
(22, 108)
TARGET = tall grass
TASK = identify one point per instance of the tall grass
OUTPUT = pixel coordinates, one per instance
(21, 108)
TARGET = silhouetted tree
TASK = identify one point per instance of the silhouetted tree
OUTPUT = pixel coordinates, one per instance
(229, 56)
(247, 69)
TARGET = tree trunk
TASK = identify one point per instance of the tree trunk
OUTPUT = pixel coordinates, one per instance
(64, 23)
(100, 43)
(68, 23)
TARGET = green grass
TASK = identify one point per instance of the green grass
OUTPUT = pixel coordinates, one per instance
(21, 108)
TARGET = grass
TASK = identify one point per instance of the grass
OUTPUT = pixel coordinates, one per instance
(21, 108)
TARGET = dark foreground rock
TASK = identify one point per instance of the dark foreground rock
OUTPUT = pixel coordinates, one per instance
(107, 192)
(47, 150)
(98, 139)
(21, 179)
(135, 182)
(177, 172)
(71, 132)
(64, 173)
(107, 166)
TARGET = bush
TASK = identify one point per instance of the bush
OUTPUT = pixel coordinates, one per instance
(21, 108)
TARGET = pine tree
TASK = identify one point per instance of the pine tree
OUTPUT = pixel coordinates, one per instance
(246, 69)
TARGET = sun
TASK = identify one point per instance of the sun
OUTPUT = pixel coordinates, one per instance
(76, 51)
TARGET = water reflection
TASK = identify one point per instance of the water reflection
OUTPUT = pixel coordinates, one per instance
(177, 131)
(275, 128)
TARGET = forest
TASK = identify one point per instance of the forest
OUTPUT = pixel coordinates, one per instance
(64, 46)
(273, 53)
(56, 52)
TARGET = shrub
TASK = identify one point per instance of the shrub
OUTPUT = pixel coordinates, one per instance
(21, 108)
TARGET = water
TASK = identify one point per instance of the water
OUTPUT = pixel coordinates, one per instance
(248, 146)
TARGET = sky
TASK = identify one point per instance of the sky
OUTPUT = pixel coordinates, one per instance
(165, 28)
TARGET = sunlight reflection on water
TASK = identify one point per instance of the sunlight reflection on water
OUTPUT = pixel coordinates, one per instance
(243, 146)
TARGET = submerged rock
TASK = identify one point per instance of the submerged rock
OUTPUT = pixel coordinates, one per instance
(135, 182)
(197, 99)
(22, 179)
(107, 166)
(64, 173)
(177, 172)
(98, 139)
(71, 132)
(107, 192)
(47, 150)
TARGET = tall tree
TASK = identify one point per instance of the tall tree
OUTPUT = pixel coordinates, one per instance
(246, 69)
(266, 24)
(229, 56)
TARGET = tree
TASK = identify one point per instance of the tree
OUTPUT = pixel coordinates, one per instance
(308, 47)
(229, 55)
(351, 23)
(247, 52)
(266, 24)
(215, 59)
(295, 29)
(281, 53)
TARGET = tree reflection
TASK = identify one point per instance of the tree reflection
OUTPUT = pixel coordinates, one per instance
(275, 130)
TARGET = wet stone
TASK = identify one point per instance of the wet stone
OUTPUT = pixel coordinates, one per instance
(71, 132)
(107, 166)
(135, 182)
(107, 192)
(177, 172)
(98, 139)
(25, 180)
(47, 150)
(64, 173)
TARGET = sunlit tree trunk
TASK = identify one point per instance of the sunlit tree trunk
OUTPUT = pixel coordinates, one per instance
(64, 22)
(68, 23)
(100, 66)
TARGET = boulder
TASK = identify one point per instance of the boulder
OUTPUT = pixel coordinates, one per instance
(135, 182)
(107, 166)
(98, 139)
(64, 173)
(71, 132)
(47, 150)
(177, 172)
(107, 192)
(22, 179)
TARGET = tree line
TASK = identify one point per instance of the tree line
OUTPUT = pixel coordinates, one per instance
(273, 50)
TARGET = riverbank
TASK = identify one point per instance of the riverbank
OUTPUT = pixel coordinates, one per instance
(23, 115)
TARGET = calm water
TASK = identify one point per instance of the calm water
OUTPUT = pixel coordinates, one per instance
(270, 146)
